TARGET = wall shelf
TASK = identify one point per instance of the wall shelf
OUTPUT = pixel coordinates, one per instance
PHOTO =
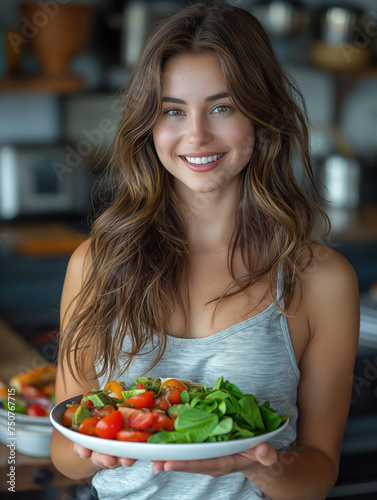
(61, 85)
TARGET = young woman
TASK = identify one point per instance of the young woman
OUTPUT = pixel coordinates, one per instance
(205, 266)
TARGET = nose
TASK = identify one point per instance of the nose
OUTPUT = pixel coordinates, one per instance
(198, 131)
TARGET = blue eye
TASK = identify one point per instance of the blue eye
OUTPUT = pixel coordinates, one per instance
(173, 112)
(222, 108)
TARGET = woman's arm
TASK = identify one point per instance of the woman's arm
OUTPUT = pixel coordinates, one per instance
(64, 454)
(331, 305)
(331, 308)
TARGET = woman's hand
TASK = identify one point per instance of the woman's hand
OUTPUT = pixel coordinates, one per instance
(101, 460)
(241, 462)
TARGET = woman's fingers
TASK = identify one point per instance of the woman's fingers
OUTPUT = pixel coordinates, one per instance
(105, 461)
(101, 459)
(158, 466)
(81, 451)
(127, 462)
(263, 453)
(213, 466)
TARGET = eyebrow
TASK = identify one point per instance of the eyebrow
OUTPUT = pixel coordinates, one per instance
(211, 98)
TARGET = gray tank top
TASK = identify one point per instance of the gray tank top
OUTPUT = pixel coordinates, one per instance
(255, 354)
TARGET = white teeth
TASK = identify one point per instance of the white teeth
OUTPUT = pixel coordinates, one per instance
(197, 160)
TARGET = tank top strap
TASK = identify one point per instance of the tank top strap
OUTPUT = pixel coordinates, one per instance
(280, 286)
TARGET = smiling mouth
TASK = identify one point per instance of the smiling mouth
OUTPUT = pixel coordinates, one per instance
(202, 160)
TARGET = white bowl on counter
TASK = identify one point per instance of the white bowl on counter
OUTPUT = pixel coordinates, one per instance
(25, 420)
(30, 438)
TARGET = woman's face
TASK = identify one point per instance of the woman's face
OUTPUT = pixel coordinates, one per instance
(201, 138)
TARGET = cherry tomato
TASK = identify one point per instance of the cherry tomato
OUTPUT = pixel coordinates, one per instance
(87, 403)
(162, 422)
(173, 395)
(139, 386)
(160, 404)
(125, 411)
(114, 389)
(109, 425)
(101, 411)
(138, 436)
(36, 411)
(88, 426)
(142, 400)
(68, 415)
(140, 420)
(173, 382)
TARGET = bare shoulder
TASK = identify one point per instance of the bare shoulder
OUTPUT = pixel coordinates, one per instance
(80, 260)
(77, 269)
(328, 270)
(330, 287)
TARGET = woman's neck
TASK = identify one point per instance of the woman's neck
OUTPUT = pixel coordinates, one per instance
(210, 219)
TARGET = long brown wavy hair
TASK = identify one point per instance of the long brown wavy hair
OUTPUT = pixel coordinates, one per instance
(139, 248)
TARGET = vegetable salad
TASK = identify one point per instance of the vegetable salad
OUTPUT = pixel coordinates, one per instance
(33, 401)
(156, 410)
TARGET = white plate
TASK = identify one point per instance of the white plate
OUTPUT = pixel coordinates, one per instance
(156, 451)
(20, 418)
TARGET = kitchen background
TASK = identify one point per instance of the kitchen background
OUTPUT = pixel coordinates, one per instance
(63, 65)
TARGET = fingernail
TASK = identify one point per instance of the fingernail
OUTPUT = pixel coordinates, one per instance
(264, 451)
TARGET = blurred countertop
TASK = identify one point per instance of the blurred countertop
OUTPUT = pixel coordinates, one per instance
(44, 239)
(40, 239)
(60, 238)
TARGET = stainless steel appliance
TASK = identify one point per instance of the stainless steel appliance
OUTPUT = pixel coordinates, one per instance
(342, 182)
(340, 38)
(285, 18)
(338, 24)
(347, 182)
(38, 181)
